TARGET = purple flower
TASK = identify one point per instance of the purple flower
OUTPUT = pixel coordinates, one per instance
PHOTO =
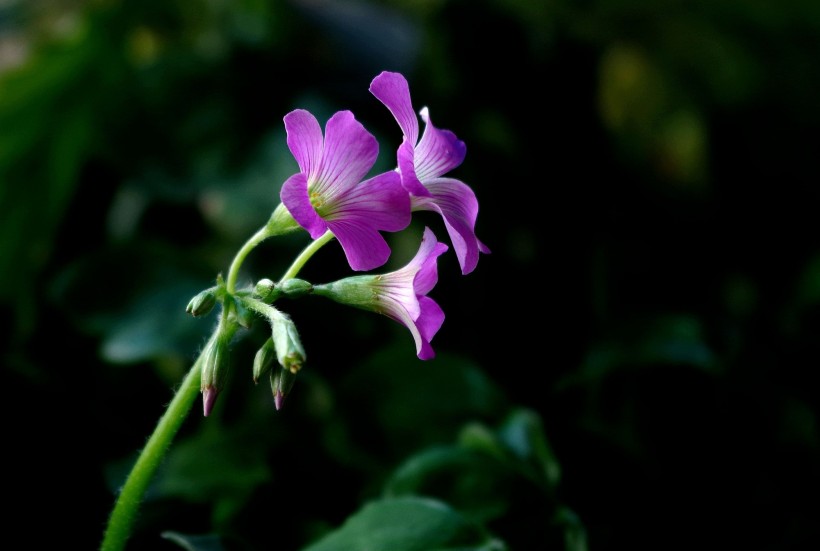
(422, 163)
(328, 193)
(400, 295)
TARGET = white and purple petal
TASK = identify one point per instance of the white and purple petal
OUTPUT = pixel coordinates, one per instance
(438, 152)
(427, 276)
(423, 349)
(425, 264)
(397, 291)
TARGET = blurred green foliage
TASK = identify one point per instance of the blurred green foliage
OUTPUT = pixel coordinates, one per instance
(632, 366)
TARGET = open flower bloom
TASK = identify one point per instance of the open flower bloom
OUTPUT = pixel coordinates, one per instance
(400, 295)
(328, 193)
(422, 163)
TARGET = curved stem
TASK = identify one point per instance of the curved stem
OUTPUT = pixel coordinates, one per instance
(249, 245)
(121, 521)
(305, 255)
(122, 517)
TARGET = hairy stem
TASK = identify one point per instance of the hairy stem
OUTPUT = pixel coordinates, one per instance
(122, 518)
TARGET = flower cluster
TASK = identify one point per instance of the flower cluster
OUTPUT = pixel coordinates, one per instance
(331, 198)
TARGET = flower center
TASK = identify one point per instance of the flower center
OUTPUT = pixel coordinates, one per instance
(316, 200)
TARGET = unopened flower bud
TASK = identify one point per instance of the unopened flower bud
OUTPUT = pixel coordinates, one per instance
(267, 291)
(289, 349)
(202, 303)
(281, 383)
(214, 370)
(263, 360)
(296, 288)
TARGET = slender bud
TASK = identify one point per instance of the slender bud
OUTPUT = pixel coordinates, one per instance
(208, 400)
(289, 350)
(202, 303)
(295, 288)
(263, 360)
(281, 383)
(214, 370)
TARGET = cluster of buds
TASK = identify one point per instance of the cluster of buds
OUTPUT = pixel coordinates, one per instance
(330, 198)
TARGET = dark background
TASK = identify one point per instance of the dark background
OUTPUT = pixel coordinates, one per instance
(646, 173)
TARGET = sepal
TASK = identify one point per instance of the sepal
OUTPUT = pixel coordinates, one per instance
(280, 222)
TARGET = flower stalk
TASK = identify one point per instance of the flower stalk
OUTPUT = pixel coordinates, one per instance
(122, 518)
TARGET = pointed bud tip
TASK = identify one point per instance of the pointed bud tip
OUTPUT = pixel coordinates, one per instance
(278, 399)
(208, 399)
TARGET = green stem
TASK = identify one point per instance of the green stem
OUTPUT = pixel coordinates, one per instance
(305, 255)
(121, 521)
(249, 245)
(122, 518)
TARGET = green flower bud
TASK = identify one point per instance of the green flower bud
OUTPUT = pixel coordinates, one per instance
(214, 371)
(263, 360)
(281, 383)
(296, 288)
(267, 291)
(202, 303)
(289, 350)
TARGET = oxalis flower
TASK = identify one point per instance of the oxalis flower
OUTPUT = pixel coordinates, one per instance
(400, 295)
(422, 163)
(328, 193)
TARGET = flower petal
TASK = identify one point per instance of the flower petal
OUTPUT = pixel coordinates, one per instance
(438, 152)
(364, 247)
(428, 324)
(427, 276)
(349, 153)
(458, 206)
(423, 349)
(406, 159)
(424, 263)
(380, 202)
(394, 92)
(294, 196)
(304, 140)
